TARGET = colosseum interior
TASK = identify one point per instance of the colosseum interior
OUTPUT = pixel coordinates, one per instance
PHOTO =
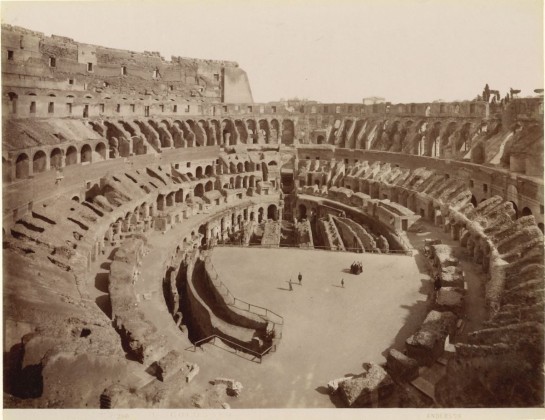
(169, 243)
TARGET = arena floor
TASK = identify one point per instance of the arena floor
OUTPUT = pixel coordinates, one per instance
(329, 331)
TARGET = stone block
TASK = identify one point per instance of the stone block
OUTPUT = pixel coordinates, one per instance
(193, 371)
(370, 387)
(449, 299)
(333, 385)
(401, 366)
(426, 345)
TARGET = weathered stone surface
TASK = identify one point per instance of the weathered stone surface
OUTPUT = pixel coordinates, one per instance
(169, 365)
(193, 370)
(401, 366)
(452, 276)
(234, 388)
(367, 388)
(450, 299)
(333, 385)
(427, 344)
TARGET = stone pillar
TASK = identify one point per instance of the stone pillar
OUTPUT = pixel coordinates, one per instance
(117, 229)
(109, 234)
(455, 232)
(163, 202)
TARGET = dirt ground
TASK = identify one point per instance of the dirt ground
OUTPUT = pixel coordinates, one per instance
(329, 331)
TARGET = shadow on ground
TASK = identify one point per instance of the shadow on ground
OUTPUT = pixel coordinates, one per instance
(416, 314)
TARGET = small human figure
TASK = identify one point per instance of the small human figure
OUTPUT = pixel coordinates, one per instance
(300, 278)
(342, 283)
(291, 287)
(437, 282)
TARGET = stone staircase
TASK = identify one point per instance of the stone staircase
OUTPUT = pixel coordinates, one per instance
(429, 376)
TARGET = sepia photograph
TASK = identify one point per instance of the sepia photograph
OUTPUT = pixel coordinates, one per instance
(214, 208)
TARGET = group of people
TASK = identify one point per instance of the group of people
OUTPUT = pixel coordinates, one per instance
(356, 267)
(300, 277)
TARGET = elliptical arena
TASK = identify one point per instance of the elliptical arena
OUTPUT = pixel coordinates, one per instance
(156, 220)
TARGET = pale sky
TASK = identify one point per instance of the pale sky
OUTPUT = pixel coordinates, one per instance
(330, 51)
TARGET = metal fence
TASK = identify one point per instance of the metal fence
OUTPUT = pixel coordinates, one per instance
(234, 346)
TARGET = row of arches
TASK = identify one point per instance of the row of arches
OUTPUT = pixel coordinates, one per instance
(130, 136)
(422, 137)
(40, 161)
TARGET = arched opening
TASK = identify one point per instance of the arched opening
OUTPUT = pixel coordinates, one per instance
(240, 167)
(22, 166)
(198, 172)
(209, 171)
(75, 198)
(238, 182)
(39, 162)
(526, 212)
(170, 199)
(100, 149)
(302, 212)
(209, 186)
(202, 231)
(272, 212)
(247, 166)
(288, 131)
(473, 201)
(71, 156)
(179, 196)
(252, 216)
(320, 139)
(199, 190)
(55, 158)
(86, 153)
(260, 215)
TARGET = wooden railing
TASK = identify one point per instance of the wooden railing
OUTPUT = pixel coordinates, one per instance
(235, 346)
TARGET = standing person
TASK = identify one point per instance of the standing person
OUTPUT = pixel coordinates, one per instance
(300, 277)
(291, 287)
(342, 283)
(437, 282)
